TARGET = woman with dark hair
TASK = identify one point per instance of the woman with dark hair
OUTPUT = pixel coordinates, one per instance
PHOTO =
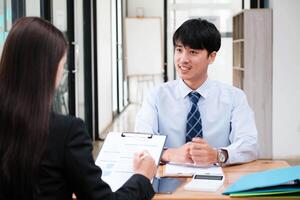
(45, 155)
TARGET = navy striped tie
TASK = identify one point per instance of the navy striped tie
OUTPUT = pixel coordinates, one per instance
(193, 123)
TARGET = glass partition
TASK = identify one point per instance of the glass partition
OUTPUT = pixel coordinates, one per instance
(5, 20)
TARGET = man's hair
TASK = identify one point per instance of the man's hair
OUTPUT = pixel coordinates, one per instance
(198, 34)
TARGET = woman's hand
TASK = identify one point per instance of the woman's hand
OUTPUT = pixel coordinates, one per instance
(144, 164)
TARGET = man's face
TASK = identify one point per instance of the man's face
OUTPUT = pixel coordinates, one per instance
(191, 64)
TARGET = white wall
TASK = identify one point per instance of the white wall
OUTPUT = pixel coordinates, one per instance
(104, 63)
(286, 81)
(151, 8)
(33, 8)
(59, 14)
(221, 68)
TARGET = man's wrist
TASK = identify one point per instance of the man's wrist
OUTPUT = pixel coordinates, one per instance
(222, 156)
(165, 155)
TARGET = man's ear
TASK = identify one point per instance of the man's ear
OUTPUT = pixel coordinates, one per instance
(212, 57)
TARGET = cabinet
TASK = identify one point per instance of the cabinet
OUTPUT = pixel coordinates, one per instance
(252, 69)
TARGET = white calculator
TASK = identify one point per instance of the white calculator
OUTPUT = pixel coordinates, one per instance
(205, 182)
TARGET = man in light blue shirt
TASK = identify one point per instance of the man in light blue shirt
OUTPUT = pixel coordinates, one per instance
(226, 132)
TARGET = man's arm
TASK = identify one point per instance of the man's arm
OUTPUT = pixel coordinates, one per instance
(243, 135)
(147, 117)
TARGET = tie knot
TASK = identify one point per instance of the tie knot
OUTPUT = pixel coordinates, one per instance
(194, 97)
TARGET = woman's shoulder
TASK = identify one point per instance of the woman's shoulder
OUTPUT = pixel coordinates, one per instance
(65, 131)
(64, 120)
(63, 117)
(64, 124)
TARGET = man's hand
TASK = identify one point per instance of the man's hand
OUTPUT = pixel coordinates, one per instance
(178, 155)
(201, 153)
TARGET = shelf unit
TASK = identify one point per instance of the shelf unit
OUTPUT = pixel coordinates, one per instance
(252, 69)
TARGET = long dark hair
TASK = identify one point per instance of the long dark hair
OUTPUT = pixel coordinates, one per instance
(28, 68)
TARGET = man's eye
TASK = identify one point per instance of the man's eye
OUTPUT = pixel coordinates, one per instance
(178, 50)
(194, 52)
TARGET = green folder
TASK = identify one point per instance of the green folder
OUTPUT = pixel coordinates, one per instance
(280, 182)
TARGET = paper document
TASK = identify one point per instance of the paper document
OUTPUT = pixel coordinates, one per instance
(173, 169)
(116, 155)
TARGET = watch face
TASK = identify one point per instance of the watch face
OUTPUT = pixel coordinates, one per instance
(221, 156)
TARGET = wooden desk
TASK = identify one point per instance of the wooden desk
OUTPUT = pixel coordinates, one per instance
(231, 173)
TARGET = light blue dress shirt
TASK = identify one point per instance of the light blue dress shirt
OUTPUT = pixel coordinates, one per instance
(227, 120)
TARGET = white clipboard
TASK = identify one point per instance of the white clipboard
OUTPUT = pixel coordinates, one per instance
(116, 155)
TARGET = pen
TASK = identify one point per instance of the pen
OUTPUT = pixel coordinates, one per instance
(144, 155)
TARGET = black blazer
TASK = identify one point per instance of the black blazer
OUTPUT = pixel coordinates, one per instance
(68, 167)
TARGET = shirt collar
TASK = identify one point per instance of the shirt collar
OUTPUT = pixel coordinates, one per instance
(184, 90)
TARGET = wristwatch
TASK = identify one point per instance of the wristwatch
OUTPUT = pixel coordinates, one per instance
(222, 156)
